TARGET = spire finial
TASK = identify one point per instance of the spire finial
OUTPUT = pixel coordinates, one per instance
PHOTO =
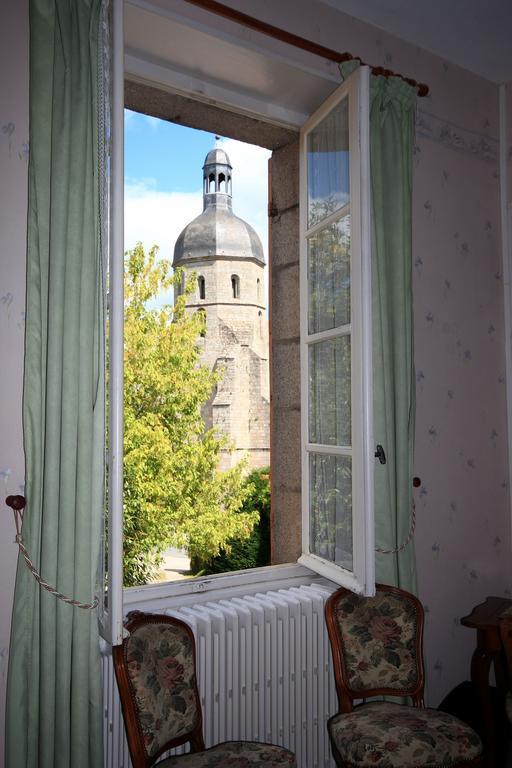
(217, 142)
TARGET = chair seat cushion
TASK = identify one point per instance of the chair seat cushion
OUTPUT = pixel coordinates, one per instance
(386, 734)
(234, 754)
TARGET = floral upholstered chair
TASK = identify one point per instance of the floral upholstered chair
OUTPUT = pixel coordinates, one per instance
(377, 650)
(156, 676)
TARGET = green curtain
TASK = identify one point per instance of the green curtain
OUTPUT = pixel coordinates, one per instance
(392, 114)
(392, 120)
(54, 699)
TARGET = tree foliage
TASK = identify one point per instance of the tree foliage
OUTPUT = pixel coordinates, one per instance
(174, 495)
(252, 552)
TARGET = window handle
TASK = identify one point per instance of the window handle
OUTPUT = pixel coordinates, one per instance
(379, 454)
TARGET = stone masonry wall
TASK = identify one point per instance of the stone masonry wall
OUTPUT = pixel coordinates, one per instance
(236, 342)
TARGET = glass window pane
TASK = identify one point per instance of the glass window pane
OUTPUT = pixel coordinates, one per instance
(330, 500)
(329, 392)
(328, 166)
(329, 277)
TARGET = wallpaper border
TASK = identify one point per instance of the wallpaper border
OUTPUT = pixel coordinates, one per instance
(455, 137)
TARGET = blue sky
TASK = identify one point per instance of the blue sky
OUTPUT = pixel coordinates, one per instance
(163, 153)
(163, 181)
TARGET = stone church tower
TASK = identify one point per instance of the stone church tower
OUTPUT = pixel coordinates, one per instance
(226, 255)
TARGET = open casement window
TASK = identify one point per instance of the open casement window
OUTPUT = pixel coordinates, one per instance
(336, 343)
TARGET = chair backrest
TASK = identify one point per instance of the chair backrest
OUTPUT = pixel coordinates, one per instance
(155, 671)
(376, 644)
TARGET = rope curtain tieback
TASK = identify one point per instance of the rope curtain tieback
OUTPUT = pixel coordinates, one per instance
(416, 483)
(17, 504)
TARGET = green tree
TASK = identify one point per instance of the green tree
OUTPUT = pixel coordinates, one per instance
(174, 495)
(252, 552)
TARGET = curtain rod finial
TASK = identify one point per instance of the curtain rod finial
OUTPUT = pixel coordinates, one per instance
(15, 502)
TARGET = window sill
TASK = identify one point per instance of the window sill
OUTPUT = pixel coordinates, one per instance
(158, 597)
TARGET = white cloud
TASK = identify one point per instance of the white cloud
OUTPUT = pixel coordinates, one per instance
(250, 184)
(157, 218)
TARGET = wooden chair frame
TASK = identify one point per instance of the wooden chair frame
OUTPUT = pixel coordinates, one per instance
(506, 639)
(346, 694)
(139, 756)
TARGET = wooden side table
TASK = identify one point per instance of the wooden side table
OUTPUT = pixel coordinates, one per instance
(485, 618)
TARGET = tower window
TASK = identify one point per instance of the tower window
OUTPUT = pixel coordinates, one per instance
(211, 181)
(258, 289)
(202, 287)
(235, 286)
(222, 183)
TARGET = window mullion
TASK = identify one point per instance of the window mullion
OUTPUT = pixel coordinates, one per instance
(332, 333)
(340, 213)
(334, 450)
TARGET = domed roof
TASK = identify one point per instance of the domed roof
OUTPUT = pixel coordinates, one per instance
(216, 156)
(217, 232)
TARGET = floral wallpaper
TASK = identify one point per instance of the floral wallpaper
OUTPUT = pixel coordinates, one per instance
(13, 217)
(463, 531)
(463, 536)
(14, 162)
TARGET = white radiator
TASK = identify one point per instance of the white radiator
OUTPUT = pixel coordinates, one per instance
(264, 671)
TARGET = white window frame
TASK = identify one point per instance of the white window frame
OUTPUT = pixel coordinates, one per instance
(362, 578)
(111, 616)
(276, 576)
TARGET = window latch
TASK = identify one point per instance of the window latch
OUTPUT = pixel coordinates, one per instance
(379, 454)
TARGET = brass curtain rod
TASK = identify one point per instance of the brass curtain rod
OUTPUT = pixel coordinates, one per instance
(219, 9)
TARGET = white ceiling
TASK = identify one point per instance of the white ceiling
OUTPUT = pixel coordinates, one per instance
(173, 44)
(176, 45)
(475, 34)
